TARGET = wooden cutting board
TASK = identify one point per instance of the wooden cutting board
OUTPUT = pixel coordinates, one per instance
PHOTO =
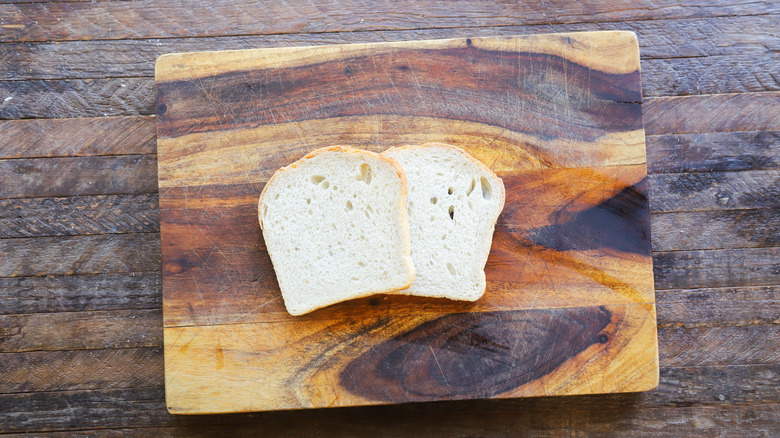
(569, 306)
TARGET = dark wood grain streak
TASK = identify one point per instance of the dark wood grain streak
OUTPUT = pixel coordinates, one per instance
(81, 330)
(725, 229)
(683, 40)
(77, 176)
(39, 371)
(108, 253)
(482, 354)
(620, 222)
(412, 79)
(78, 137)
(77, 293)
(148, 19)
(78, 215)
(713, 152)
(145, 407)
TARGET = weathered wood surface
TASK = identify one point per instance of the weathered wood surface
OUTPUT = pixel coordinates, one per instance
(665, 40)
(121, 20)
(569, 303)
(714, 278)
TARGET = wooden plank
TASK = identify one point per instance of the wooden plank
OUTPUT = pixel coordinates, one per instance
(715, 191)
(658, 39)
(134, 96)
(145, 407)
(711, 75)
(38, 371)
(78, 215)
(148, 19)
(699, 308)
(714, 113)
(142, 366)
(709, 307)
(716, 229)
(69, 370)
(107, 253)
(81, 330)
(746, 421)
(744, 345)
(676, 153)
(128, 96)
(78, 137)
(76, 293)
(716, 268)
(713, 152)
(77, 176)
(77, 98)
(74, 255)
(116, 214)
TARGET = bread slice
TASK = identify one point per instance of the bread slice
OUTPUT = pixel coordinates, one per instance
(453, 204)
(335, 226)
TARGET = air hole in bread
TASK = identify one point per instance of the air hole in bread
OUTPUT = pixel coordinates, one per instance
(361, 264)
(277, 196)
(451, 269)
(471, 187)
(364, 173)
(434, 200)
(308, 200)
(487, 190)
(369, 209)
(325, 184)
(452, 212)
(449, 191)
(349, 206)
(316, 179)
(443, 236)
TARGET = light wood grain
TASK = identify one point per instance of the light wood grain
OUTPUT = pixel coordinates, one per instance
(569, 305)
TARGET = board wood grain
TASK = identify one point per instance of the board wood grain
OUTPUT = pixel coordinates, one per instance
(569, 306)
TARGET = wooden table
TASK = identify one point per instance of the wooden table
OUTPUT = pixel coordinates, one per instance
(80, 288)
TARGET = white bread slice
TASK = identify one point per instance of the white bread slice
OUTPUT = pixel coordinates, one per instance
(453, 204)
(335, 226)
